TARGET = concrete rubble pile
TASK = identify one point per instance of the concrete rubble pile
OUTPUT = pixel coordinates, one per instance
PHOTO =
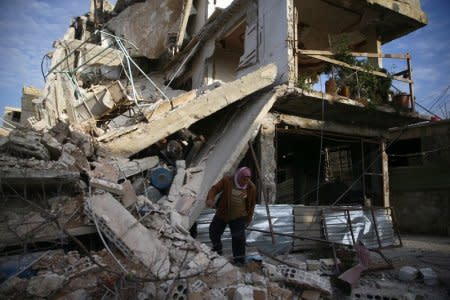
(66, 174)
(111, 166)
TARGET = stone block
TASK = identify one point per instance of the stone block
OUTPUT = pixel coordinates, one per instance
(243, 293)
(407, 273)
(130, 236)
(52, 145)
(198, 286)
(429, 276)
(312, 264)
(44, 285)
(129, 196)
(232, 277)
(106, 185)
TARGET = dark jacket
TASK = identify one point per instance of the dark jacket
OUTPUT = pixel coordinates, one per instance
(225, 185)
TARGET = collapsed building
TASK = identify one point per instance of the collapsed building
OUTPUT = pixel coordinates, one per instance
(146, 104)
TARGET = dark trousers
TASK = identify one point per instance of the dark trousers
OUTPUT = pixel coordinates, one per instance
(237, 228)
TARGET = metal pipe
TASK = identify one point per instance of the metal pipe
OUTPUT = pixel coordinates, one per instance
(376, 227)
(127, 55)
(349, 221)
(67, 56)
(130, 74)
(95, 56)
(294, 236)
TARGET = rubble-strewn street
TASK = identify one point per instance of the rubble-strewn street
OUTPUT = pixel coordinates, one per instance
(147, 104)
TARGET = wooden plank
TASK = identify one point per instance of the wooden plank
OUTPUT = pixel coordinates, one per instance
(356, 54)
(340, 63)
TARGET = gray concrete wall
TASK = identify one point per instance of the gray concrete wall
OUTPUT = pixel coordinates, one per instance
(272, 47)
(426, 212)
(420, 193)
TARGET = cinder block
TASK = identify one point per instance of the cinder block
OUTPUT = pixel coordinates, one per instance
(327, 266)
(312, 264)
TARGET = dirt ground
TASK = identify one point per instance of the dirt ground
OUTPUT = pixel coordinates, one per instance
(418, 251)
(423, 251)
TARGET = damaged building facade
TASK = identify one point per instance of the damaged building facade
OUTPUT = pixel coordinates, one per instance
(147, 104)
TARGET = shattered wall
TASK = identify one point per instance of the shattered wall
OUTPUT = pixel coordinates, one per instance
(147, 25)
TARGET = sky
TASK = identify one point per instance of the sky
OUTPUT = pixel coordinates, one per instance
(29, 27)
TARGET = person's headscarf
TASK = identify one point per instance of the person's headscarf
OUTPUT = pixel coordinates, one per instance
(240, 173)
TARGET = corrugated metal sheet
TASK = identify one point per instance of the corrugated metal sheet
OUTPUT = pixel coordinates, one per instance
(282, 221)
(337, 228)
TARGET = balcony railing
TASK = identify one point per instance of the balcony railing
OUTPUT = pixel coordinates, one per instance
(404, 76)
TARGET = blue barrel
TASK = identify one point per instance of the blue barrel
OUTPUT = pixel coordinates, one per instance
(161, 178)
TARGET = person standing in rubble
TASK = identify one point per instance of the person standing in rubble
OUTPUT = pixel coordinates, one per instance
(235, 208)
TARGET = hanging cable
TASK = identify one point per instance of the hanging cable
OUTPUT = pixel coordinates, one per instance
(321, 144)
(441, 96)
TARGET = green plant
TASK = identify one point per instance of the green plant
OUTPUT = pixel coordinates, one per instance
(363, 85)
(304, 82)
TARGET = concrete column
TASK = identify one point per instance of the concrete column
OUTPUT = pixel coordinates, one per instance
(373, 45)
(293, 42)
(268, 160)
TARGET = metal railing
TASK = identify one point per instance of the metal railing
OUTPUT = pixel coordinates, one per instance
(403, 76)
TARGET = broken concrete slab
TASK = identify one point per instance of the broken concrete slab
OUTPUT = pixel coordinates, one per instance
(101, 100)
(105, 170)
(148, 24)
(112, 187)
(227, 146)
(163, 106)
(243, 292)
(44, 285)
(38, 177)
(127, 168)
(131, 237)
(26, 143)
(143, 135)
(129, 196)
(53, 146)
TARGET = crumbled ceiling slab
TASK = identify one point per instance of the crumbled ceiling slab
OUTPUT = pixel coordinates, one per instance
(143, 135)
(148, 24)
